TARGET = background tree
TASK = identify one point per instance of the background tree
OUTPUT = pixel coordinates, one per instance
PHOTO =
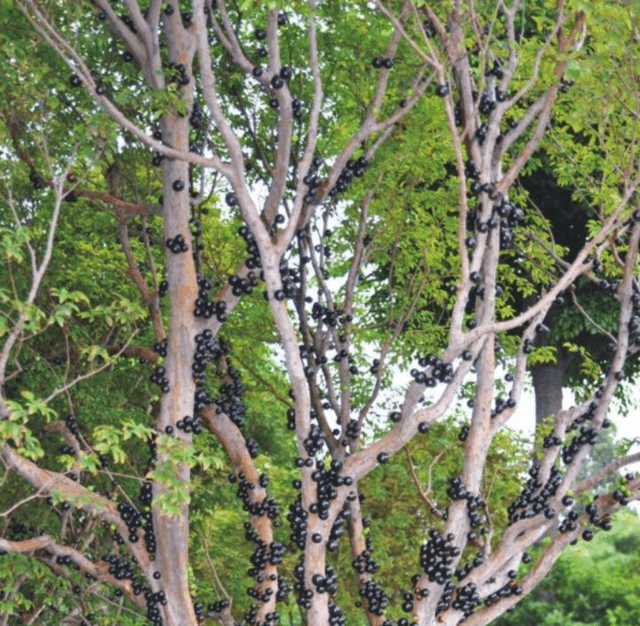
(223, 151)
(564, 194)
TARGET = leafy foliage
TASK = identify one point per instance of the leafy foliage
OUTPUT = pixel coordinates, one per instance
(201, 256)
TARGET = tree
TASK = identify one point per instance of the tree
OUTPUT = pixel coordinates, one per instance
(259, 125)
(585, 317)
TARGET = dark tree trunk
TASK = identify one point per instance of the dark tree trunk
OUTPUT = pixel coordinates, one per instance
(548, 379)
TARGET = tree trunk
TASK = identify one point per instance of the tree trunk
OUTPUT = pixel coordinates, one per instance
(548, 379)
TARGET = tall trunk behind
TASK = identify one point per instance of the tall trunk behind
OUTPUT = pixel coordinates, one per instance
(548, 379)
